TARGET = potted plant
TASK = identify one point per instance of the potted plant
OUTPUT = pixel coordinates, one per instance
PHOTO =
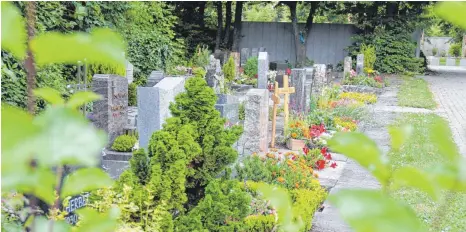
(297, 134)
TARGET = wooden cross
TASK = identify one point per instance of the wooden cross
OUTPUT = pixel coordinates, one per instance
(286, 91)
(276, 100)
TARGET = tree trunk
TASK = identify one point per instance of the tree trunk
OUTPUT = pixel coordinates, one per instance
(297, 42)
(219, 25)
(226, 38)
(300, 46)
(201, 14)
(29, 62)
(237, 30)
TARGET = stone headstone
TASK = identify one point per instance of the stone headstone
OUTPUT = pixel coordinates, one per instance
(221, 55)
(347, 66)
(236, 58)
(298, 99)
(360, 64)
(435, 61)
(129, 72)
(451, 62)
(463, 62)
(110, 112)
(153, 103)
(228, 106)
(279, 80)
(463, 50)
(255, 52)
(280, 67)
(262, 49)
(256, 121)
(262, 70)
(154, 78)
(244, 56)
(308, 88)
(320, 79)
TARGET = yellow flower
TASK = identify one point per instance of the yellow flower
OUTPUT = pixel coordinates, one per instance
(281, 179)
(294, 135)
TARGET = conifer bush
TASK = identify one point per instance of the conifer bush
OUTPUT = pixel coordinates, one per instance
(229, 69)
(181, 161)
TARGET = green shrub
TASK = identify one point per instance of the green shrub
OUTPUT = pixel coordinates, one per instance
(455, 50)
(132, 94)
(369, 55)
(199, 72)
(223, 208)
(242, 112)
(229, 69)
(124, 143)
(250, 68)
(255, 223)
(201, 57)
(394, 48)
(434, 51)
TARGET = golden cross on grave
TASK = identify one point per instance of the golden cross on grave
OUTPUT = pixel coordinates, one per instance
(276, 100)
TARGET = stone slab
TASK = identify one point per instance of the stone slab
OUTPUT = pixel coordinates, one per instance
(320, 79)
(298, 98)
(129, 72)
(245, 53)
(110, 112)
(348, 62)
(360, 64)
(463, 62)
(226, 99)
(451, 62)
(229, 111)
(262, 70)
(154, 78)
(435, 61)
(256, 121)
(255, 52)
(153, 106)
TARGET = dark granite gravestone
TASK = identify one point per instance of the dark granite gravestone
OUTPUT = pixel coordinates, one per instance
(280, 67)
(110, 112)
(262, 49)
(154, 78)
(228, 107)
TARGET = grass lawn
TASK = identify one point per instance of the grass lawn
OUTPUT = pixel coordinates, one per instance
(420, 153)
(414, 92)
(443, 61)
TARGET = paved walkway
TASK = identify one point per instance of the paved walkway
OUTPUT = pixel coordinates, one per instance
(449, 89)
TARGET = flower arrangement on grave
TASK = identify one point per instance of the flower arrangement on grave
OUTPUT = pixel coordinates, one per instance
(369, 78)
(319, 135)
(366, 98)
(345, 124)
(297, 133)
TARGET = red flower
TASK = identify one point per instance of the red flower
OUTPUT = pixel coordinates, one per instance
(323, 150)
(306, 150)
(378, 79)
(293, 157)
(288, 71)
(316, 131)
(320, 164)
(328, 156)
(333, 165)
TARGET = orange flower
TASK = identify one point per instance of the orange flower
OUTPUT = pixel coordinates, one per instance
(294, 135)
(270, 155)
(281, 179)
(316, 175)
(296, 185)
